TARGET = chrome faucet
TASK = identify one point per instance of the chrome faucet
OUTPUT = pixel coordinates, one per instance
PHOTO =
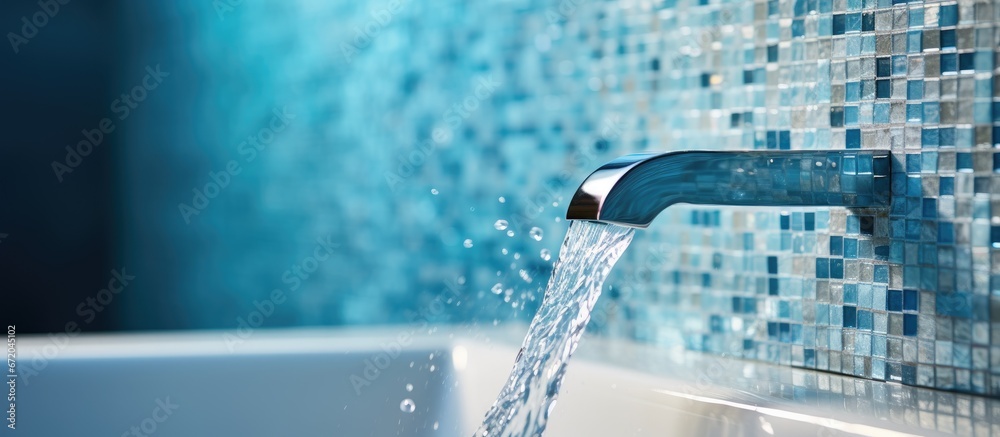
(633, 189)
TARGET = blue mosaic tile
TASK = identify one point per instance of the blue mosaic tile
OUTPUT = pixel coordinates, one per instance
(870, 291)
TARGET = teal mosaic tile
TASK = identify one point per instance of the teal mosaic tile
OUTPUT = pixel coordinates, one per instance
(908, 294)
(893, 273)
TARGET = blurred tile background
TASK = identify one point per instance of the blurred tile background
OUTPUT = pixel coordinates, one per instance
(391, 137)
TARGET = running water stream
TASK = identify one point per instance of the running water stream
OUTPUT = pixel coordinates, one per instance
(587, 255)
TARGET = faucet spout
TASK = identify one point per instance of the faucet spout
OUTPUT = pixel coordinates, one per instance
(633, 189)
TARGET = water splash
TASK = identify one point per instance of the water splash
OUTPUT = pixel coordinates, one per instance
(588, 253)
(407, 405)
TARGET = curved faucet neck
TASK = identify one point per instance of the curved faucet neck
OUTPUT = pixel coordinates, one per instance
(634, 189)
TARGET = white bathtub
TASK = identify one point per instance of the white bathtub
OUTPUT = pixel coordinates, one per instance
(314, 382)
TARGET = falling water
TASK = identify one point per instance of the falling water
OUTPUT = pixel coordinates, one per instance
(527, 399)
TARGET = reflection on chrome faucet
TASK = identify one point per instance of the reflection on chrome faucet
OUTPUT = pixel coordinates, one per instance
(632, 190)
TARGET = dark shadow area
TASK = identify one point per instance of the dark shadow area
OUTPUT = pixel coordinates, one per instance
(56, 237)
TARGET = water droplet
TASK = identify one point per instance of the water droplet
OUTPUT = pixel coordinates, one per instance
(536, 233)
(497, 288)
(546, 254)
(409, 387)
(434, 191)
(503, 251)
(510, 233)
(467, 243)
(435, 425)
(552, 406)
(407, 406)
(433, 368)
(500, 225)
(430, 357)
(525, 276)
(501, 199)
(517, 255)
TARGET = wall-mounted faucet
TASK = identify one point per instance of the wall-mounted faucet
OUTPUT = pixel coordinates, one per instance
(633, 189)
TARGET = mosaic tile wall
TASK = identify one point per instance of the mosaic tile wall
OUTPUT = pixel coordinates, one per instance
(416, 133)
(900, 295)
